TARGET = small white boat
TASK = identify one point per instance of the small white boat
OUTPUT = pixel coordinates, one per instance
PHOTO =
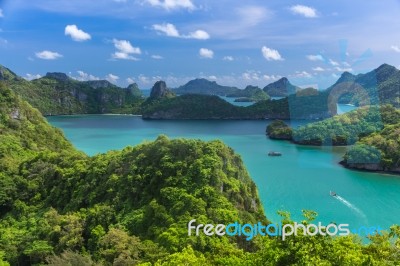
(274, 153)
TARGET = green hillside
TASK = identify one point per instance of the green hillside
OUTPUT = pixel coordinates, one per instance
(280, 88)
(379, 86)
(55, 199)
(251, 93)
(204, 86)
(56, 94)
(132, 207)
(347, 128)
(196, 106)
(378, 151)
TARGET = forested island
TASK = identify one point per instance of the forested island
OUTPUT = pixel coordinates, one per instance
(200, 106)
(57, 93)
(59, 206)
(373, 130)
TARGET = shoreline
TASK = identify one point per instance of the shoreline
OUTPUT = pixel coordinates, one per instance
(387, 173)
(108, 114)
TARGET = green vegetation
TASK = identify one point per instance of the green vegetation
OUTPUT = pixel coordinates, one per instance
(346, 129)
(57, 94)
(307, 92)
(379, 86)
(374, 130)
(204, 86)
(131, 207)
(193, 106)
(122, 207)
(250, 93)
(279, 130)
(378, 151)
(281, 88)
(23, 134)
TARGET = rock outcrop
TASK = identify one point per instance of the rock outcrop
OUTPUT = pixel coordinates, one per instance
(160, 90)
(57, 76)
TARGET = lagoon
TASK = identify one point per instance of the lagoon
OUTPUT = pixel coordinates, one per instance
(299, 179)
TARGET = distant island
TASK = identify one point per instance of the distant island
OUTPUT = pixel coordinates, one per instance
(250, 94)
(200, 106)
(373, 132)
(372, 129)
(57, 93)
(204, 86)
(281, 88)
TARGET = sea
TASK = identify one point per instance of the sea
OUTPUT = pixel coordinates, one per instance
(300, 179)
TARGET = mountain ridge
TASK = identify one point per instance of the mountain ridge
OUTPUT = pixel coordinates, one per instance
(204, 86)
(281, 88)
(378, 86)
(57, 94)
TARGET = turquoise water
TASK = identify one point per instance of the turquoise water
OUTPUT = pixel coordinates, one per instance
(344, 108)
(300, 179)
(231, 100)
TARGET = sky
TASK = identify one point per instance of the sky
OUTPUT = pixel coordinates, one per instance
(235, 43)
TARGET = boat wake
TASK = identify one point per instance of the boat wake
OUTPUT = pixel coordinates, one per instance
(351, 206)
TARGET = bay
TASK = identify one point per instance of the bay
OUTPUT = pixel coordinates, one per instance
(300, 179)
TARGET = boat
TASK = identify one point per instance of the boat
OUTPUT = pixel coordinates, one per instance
(274, 153)
(333, 193)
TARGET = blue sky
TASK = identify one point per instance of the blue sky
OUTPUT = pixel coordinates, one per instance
(239, 43)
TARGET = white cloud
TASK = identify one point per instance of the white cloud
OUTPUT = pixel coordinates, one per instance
(167, 28)
(243, 22)
(83, 76)
(228, 58)
(76, 34)
(317, 57)
(48, 55)
(271, 54)
(252, 15)
(130, 80)
(32, 76)
(171, 31)
(124, 50)
(206, 53)
(1, 13)
(143, 79)
(124, 56)
(172, 4)
(395, 48)
(341, 69)
(333, 63)
(251, 75)
(112, 78)
(198, 34)
(126, 47)
(271, 77)
(346, 64)
(158, 57)
(306, 11)
(302, 74)
(319, 69)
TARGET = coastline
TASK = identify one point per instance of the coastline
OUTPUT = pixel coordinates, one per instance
(388, 173)
(108, 114)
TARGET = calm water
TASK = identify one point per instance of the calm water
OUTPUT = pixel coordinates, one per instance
(300, 179)
(231, 100)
